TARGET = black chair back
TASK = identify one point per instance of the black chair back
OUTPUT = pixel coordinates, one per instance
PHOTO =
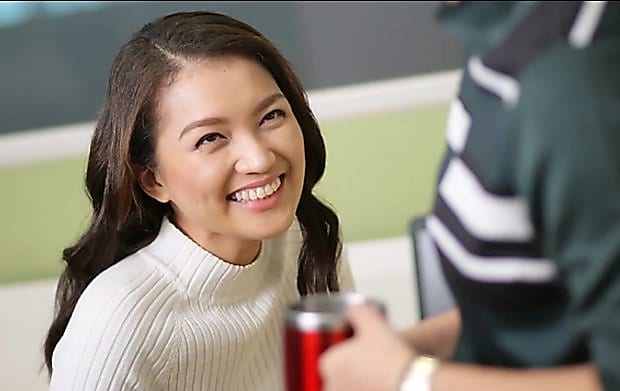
(434, 295)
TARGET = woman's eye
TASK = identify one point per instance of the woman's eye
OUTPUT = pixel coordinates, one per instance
(209, 138)
(273, 115)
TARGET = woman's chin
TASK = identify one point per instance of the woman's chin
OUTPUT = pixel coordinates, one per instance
(268, 228)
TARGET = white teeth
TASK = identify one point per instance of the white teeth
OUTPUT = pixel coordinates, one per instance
(257, 193)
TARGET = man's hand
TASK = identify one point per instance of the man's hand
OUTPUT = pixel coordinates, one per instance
(373, 359)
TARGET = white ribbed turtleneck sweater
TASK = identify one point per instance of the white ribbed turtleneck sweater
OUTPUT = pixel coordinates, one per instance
(173, 316)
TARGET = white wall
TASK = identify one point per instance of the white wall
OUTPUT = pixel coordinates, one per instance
(384, 269)
(26, 312)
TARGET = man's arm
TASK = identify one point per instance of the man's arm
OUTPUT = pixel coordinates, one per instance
(376, 358)
(436, 336)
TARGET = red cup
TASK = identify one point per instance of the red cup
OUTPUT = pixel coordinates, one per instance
(312, 325)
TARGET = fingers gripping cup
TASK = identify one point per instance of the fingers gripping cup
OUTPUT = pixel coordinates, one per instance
(312, 325)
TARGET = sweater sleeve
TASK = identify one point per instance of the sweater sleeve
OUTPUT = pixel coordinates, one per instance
(569, 170)
(118, 337)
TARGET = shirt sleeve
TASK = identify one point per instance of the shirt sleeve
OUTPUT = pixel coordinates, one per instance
(569, 171)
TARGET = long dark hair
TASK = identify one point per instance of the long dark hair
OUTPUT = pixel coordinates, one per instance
(124, 218)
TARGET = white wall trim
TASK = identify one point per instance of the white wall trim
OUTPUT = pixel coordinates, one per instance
(73, 140)
(45, 144)
(384, 96)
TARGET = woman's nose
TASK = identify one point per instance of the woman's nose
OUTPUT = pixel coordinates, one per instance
(254, 156)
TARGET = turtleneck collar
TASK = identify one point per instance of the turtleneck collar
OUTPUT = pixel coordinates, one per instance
(202, 274)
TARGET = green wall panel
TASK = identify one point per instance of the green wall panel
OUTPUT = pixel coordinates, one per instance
(42, 208)
(380, 173)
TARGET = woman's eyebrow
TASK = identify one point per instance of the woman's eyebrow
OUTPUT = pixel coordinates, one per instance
(268, 101)
(201, 122)
(209, 121)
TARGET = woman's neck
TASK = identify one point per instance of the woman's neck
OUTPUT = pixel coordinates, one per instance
(230, 249)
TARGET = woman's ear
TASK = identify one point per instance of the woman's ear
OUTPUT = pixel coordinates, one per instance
(150, 181)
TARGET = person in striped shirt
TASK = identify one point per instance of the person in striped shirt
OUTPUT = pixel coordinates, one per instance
(201, 173)
(526, 217)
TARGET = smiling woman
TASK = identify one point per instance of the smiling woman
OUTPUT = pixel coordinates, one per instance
(245, 140)
(201, 174)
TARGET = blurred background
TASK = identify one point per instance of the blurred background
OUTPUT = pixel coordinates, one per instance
(379, 76)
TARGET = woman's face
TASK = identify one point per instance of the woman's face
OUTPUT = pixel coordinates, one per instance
(230, 155)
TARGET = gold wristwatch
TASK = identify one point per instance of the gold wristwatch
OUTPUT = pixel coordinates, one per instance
(419, 374)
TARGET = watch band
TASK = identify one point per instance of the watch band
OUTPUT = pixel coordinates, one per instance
(418, 375)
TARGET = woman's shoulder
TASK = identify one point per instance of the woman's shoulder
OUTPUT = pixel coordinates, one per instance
(125, 293)
(124, 318)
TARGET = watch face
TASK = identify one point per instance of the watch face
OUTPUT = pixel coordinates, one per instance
(419, 374)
